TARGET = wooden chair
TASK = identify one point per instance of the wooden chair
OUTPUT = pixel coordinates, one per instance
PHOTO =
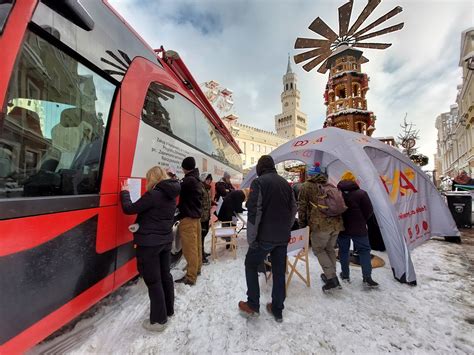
(223, 233)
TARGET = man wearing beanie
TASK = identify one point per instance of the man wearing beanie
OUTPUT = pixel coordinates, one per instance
(271, 213)
(189, 229)
(323, 229)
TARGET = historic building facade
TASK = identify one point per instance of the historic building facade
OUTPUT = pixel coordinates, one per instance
(455, 144)
(290, 123)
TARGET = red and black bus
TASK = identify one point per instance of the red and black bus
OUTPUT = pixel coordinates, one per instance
(84, 104)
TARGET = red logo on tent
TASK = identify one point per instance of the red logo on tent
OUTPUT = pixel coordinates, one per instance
(417, 228)
(425, 225)
(300, 143)
(318, 140)
(410, 233)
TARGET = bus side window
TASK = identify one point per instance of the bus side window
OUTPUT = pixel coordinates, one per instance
(52, 135)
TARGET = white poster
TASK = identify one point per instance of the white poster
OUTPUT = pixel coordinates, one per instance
(135, 189)
(156, 148)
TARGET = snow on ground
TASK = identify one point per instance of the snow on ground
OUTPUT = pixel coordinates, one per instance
(437, 316)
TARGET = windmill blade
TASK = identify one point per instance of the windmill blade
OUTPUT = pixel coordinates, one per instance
(310, 54)
(323, 69)
(372, 45)
(377, 22)
(311, 43)
(381, 32)
(368, 9)
(344, 18)
(309, 66)
(321, 28)
(363, 60)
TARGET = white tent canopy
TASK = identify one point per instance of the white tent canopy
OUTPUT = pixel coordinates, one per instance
(407, 205)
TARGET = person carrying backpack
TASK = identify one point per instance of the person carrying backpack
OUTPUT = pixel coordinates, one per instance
(320, 206)
(355, 218)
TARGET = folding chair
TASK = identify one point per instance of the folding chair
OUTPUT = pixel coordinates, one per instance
(223, 233)
(240, 218)
(298, 248)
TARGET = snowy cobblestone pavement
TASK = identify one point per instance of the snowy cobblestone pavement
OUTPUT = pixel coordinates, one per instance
(437, 316)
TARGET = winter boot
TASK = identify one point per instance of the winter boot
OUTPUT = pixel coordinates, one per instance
(324, 278)
(153, 327)
(344, 278)
(246, 311)
(278, 318)
(332, 284)
(185, 280)
(369, 282)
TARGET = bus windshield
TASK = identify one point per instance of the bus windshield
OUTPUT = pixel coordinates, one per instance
(53, 125)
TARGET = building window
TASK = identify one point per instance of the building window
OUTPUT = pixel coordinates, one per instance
(291, 86)
(252, 148)
(258, 148)
(244, 147)
(286, 86)
(252, 160)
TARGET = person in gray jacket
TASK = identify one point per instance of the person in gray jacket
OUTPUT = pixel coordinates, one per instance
(271, 213)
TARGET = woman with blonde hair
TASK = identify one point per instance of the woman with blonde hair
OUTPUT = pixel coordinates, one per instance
(153, 238)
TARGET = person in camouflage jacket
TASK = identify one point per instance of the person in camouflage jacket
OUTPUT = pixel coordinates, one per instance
(324, 230)
(206, 181)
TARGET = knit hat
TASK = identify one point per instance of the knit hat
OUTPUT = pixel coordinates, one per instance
(314, 169)
(265, 163)
(188, 163)
(348, 176)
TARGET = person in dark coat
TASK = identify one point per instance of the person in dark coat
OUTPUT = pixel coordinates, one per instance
(206, 181)
(232, 205)
(223, 187)
(359, 210)
(271, 212)
(190, 211)
(153, 238)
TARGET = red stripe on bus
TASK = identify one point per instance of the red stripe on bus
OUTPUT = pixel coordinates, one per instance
(28, 232)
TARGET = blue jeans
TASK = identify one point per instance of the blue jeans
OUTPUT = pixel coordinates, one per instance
(361, 244)
(254, 258)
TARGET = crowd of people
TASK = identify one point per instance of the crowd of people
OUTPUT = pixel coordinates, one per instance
(335, 216)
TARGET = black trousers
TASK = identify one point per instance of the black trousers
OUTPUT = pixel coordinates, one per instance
(154, 266)
(253, 259)
(204, 231)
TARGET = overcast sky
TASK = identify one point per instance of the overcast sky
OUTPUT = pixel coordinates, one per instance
(244, 45)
